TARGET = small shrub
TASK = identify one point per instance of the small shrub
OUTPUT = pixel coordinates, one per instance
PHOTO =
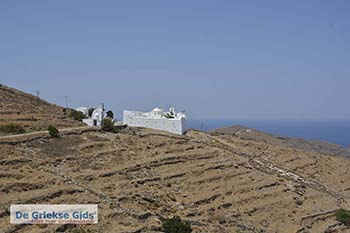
(169, 115)
(41, 226)
(176, 225)
(90, 111)
(108, 126)
(53, 131)
(343, 216)
(220, 218)
(76, 115)
(110, 114)
(78, 230)
(12, 128)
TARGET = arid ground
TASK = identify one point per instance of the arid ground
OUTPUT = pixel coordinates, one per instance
(216, 182)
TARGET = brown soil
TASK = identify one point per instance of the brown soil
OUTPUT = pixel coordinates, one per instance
(218, 183)
(32, 113)
(307, 145)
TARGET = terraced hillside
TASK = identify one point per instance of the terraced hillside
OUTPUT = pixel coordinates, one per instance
(32, 113)
(218, 182)
(322, 147)
(138, 177)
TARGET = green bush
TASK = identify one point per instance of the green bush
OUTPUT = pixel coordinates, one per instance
(110, 114)
(343, 216)
(168, 115)
(90, 111)
(12, 128)
(108, 126)
(53, 131)
(176, 225)
(76, 115)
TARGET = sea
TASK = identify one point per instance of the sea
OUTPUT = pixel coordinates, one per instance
(335, 131)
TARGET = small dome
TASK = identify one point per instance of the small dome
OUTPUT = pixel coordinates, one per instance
(83, 110)
(157, 110)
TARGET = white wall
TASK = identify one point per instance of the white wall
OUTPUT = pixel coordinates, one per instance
(177, 126)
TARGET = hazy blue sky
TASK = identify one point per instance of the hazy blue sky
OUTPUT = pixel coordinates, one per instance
(215, 59)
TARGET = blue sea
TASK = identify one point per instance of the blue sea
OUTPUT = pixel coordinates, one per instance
(332, 131)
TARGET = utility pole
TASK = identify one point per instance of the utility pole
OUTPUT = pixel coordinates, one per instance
(37, 94)
(103, 111)
(66, 97)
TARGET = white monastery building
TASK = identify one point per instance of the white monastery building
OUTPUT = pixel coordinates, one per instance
(96, 116)
(157, 119)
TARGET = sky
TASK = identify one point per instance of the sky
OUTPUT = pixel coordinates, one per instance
(213, 59)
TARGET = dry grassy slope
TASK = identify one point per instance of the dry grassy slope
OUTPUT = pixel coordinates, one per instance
(33, 113)
(259, 136)
(218, 183)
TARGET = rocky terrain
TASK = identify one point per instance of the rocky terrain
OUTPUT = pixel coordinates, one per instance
(31, 112)
(308, 145)
(216, 182)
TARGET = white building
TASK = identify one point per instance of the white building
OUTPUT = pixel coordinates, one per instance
(96, 116)
(84, 110)
(157, 119)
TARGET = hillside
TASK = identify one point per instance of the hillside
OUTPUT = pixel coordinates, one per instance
(138, 177)
(32, 113)
(259, 136)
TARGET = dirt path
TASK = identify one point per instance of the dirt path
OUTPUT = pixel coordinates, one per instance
(37, 133)
(26, 137)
